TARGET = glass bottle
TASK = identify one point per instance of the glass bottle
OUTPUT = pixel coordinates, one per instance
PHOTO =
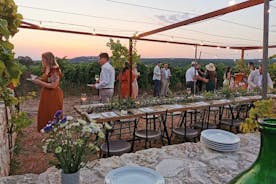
(263, 169)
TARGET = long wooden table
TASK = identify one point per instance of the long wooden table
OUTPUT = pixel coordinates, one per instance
(139, 112)
(159, 109)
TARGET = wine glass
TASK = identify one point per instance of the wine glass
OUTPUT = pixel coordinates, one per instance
(83, 98)
(97, 78)
(189, 91)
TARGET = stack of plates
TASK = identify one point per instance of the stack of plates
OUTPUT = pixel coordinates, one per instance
(220, 140)
(133, 175)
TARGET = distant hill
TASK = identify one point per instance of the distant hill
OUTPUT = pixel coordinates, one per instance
(170, 61)
(84, 59)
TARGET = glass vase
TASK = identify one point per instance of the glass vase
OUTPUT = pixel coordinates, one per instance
(263, 169)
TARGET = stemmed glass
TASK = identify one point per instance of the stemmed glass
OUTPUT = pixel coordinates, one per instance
(83, 98)
(189, 91)
(97, 78)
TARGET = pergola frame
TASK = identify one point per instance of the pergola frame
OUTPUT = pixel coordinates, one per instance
(206, 16)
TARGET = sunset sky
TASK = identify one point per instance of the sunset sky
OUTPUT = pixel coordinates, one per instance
(125, 17)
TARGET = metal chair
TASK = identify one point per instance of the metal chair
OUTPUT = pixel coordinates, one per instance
(233, 121)
(152, 130)
(204, 120)
(183, 130)
(124, 133)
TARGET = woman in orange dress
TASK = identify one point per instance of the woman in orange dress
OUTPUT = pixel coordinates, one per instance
(124, 78)
(51, 97)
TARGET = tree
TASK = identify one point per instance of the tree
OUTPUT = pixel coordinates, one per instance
(120, 55)
(9, 70)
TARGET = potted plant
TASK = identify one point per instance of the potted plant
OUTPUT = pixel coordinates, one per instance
(71, 141)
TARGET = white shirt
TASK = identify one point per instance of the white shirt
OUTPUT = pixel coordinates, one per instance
(255, 80)
(107, 77)
(156, 73)
(190, 74)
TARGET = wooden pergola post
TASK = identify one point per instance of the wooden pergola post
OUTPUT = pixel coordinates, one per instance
(265, 48)
(130, 63)
(242, 54)
(195, 69)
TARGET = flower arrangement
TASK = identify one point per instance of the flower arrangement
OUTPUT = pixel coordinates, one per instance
(71, 141)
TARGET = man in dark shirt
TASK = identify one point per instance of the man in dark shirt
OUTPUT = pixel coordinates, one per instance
(201, 73)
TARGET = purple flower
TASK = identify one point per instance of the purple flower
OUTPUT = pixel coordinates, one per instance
(63, 120)
(47, 128)
(57, 114)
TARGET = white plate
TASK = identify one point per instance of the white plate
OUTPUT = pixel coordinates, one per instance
(133, 175)
(220, 145)
(222, 149)
(220, 136)
(94, 116)
(109, 114)
(29, 79)
(147, 109)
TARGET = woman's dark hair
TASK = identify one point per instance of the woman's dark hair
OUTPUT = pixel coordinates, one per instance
(227, 70)
(126, 67)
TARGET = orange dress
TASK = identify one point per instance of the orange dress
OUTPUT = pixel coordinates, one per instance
(51, 100)
(124, 78)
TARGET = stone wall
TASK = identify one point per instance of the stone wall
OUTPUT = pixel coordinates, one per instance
(188, 163)
(4, 144)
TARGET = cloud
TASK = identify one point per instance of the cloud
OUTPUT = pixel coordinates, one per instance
(173, 18)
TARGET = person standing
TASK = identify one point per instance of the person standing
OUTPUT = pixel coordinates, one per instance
(134, 92)
(210, 79)
(51, 96)
(201, 73)
(227, 77)
(190, 75)
(157, 80)
(165, 80)
(255, 79)
(107, 79)
(124, 78)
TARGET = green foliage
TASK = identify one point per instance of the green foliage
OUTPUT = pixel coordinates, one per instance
(122, 104)
(120, 54)
(261, 109)
(208, 95)
(241, 67)
(9, 22)
(8, 12)
(20, 120)
(272, 72)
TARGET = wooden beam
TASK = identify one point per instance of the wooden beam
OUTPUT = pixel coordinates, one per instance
(252, 47)
(242, 54)
(265, 49)
(26, 25)
(216, 13)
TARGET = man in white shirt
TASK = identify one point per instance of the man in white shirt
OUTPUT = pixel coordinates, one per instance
(255, 79)
(191, 74)
(165, 80)
(107, 79)
(157, 80)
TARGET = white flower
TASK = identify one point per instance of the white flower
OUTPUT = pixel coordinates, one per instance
(101, 135)
(86, 129)
(82, 122)
(76, 124)
(69, 118)
(80, 142)
(44, 147)
(91, 146)
(107, 126)
(58, 150)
